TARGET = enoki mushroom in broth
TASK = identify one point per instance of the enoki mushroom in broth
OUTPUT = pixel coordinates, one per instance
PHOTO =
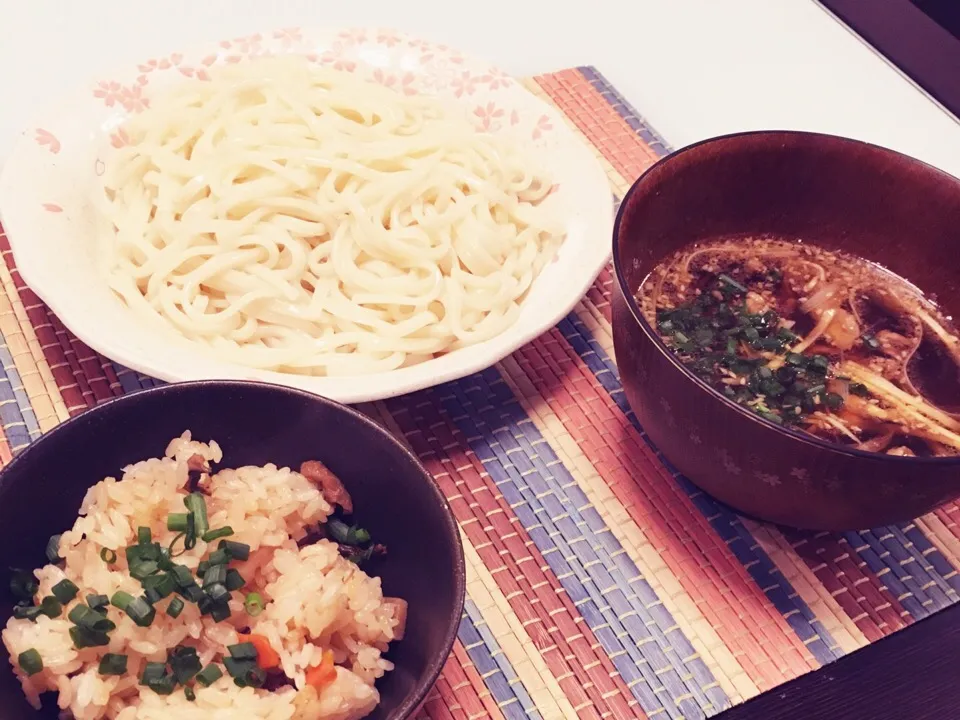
(818, 340)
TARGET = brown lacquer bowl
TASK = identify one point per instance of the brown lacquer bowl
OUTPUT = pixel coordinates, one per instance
(840, 194)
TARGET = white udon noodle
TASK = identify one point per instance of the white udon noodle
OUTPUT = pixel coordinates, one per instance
(298, 219)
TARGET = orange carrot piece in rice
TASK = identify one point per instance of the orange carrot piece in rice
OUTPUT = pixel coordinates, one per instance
(323, 674)
(267, 657)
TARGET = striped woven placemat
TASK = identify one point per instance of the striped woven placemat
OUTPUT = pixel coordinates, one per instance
(601, 583)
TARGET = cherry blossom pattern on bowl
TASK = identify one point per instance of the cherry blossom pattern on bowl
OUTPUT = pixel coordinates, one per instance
(50, 190)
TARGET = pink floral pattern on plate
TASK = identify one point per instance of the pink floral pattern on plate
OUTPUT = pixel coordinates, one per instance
(247, 45)
(401, 83)
(289, 37)
(542, 126)
(388, 38)
(174, 61)
(47, 139)
(489, 116)
(133, 99)
(407, 65)
(496, 79)
(119, 139)
(335, 58)
(108, 91)
(130, 97)
(429, 52)
(353, 36)
(464, 84)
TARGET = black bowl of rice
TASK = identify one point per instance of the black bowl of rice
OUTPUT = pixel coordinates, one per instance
(223, 549)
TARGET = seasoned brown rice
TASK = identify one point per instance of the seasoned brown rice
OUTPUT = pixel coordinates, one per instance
(315, 600)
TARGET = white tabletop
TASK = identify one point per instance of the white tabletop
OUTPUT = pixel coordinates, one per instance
(694, 68)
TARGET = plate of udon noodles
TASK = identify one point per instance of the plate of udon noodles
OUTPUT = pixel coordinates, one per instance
(356, 213)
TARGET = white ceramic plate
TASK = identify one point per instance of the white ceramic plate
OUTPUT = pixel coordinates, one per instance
(47, 201)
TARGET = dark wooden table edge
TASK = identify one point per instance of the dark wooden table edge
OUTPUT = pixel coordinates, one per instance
(897, 29)
(909, 675)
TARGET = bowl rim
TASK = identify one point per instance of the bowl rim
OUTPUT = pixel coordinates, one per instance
(665, 351)
(436, 664)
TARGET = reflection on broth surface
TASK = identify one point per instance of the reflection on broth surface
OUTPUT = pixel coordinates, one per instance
(818, 340)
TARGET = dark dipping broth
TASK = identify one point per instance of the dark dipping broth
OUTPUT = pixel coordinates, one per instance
(817, 340)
